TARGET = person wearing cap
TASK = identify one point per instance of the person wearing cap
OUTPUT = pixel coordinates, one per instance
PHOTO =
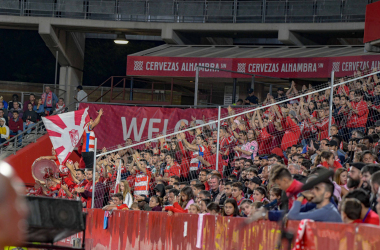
(251, 98)
(4, 131)
(5, 104)
(354, 175)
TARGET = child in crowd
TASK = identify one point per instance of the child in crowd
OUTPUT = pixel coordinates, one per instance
(194, 209)
(135, 206)
(231, 208)
(213, 209)
(260, 194)
(245, 207)
(351, 210)
(203, 205)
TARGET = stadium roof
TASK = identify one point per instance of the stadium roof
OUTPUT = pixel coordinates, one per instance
(256, 51)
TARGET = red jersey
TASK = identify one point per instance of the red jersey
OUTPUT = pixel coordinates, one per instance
(174, 170)
(360, 119)
(123, 206)
(370, 218)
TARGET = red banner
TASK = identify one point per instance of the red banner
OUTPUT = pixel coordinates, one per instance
(157, 230)
(303, 67)
(140, 123)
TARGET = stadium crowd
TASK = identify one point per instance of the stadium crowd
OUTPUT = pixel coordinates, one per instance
(16, 117)
(264, 159)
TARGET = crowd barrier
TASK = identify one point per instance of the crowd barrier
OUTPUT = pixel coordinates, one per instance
(157, 230)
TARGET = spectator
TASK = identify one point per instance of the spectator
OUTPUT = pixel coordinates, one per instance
(16, 125)
(237, 192)
(14, 99)
(2, 115)
(143, 202)
(325, 211)
(60, 106)
(29, 118)
(231, 208)
(251, 99)
(155, 203)
(203, 205)
(32, 100)
(214, 187)
(49, 99)
(194, 209)
(358, 113)
(16, 107)
(39, 108)
(117, 203)
(213, 208)
(86, 192)
(351, 210)
(4, 103)
(81, 96)
(367, 215)
(355, 176)
(5, 110)
(173, 196)
(125, 190)
(4, 131)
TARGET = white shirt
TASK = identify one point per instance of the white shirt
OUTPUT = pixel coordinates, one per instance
(81, 97)
(128, 200)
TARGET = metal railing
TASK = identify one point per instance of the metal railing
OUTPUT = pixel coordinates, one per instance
(184, 11)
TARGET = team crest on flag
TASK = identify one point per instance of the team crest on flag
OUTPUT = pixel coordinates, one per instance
(74, 136)
(65, 131)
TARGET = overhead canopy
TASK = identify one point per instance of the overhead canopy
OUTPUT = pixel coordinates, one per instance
(273, 61)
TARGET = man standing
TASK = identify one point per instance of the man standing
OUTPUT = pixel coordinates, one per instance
(86, 192)
(89, 141)
(81, 96)
(32, 100)
(49, 99)
(209, 162)
(251, 99)
(359, 112)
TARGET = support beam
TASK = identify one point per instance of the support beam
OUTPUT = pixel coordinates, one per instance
(169, 36)
(288, 37)
(69, 48)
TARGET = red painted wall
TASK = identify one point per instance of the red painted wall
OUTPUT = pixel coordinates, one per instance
(23, 159)
(372, 22)
(157, 230)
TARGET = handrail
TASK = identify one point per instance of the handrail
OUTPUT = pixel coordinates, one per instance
(196, 11)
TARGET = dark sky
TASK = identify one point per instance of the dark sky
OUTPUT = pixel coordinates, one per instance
(25, 57)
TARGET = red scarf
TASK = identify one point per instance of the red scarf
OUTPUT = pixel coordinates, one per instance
(57, 107)
(49, 100)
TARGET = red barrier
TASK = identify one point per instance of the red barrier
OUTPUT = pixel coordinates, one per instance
(157, 230)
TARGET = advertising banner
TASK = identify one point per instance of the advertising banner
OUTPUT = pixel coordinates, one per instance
(303, 67)
(140, 123)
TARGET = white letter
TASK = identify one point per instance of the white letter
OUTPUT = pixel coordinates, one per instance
(137, 135)
(151, 129)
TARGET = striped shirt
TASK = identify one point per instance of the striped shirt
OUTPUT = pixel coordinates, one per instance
(88, 139)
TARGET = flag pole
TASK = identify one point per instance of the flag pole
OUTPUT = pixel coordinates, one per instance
(93, 176)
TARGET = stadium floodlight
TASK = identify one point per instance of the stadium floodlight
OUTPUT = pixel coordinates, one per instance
(120, 39)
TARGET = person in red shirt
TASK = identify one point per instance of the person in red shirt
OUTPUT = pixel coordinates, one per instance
(237, 192)
(367, 215)
(351, 210)
(358, 115)
(209, 162)
(117, 203)
(281, 176)
(16, 126)
(172, 169)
